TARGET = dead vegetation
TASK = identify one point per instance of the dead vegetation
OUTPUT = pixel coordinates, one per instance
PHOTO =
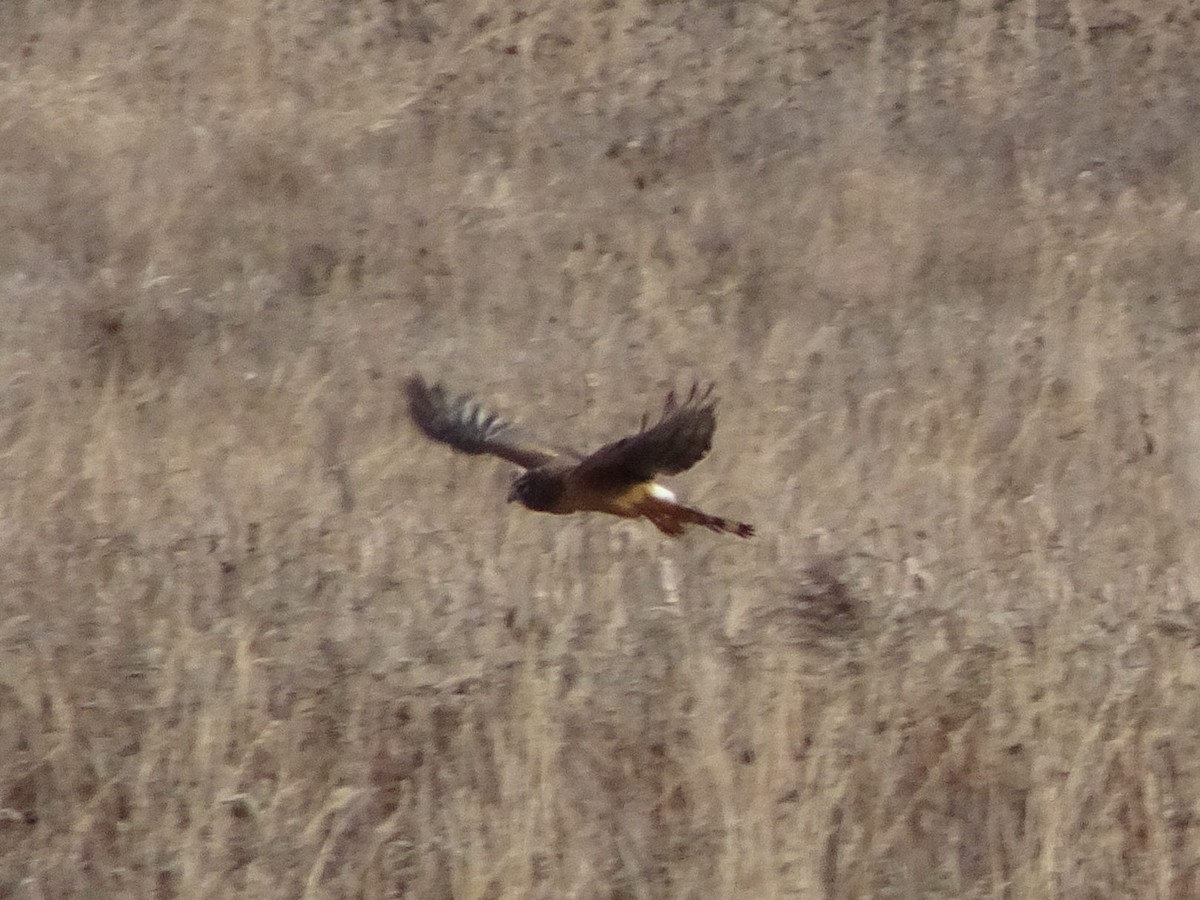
(260, 640)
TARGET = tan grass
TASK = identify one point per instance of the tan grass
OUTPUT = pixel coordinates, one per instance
(258, 639)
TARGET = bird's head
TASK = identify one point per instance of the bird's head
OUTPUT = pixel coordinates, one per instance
(537, 490)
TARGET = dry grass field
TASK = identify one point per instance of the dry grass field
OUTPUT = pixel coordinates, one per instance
(259, 639)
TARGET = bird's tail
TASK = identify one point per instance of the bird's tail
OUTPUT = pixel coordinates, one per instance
(672, 518)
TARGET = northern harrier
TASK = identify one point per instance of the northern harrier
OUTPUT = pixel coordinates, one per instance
(618, 478)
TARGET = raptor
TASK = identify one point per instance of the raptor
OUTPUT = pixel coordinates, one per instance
(619, 478)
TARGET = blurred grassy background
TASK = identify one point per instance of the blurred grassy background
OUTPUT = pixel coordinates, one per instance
(260, 639)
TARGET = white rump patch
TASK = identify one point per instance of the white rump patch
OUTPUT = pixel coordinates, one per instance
(661, 493)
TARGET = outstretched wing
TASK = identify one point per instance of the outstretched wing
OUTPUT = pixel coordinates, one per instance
(678, 441)
(467, 427)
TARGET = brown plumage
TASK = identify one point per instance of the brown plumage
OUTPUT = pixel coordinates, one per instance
(617, 479)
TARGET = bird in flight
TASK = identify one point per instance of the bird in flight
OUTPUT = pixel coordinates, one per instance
(619, 478)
